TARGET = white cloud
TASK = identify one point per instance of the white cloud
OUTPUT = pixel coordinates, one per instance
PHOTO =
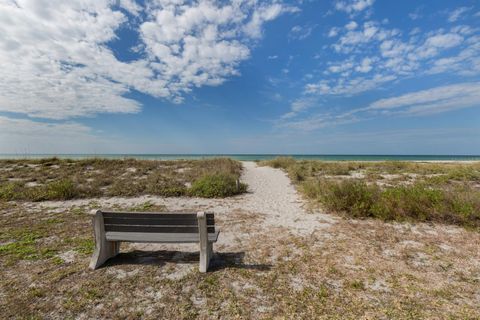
(56, 60)
(33, 128)
(301, 32)
(390, 57)
(420, 103)
(333, 32)
(365, 66)
(435, 100)
(261, 15)
(457, 13)
(272, 57)
(353, 6)
(131, 6)
(351, 25)
(338, 68)
(415, 15)
(434, 44)
(39, 137)
(315, 122)
(447, 40)
(466, 62)
(299, 106)
(370, 32)
(415, 31)
(372, 55)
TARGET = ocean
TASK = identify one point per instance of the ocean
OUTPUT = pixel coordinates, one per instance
(253, 157)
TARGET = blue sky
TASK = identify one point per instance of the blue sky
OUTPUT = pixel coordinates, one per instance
(168, 76)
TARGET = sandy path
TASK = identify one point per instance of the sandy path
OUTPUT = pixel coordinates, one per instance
(270, 195)
(272, 203)
(273, 195)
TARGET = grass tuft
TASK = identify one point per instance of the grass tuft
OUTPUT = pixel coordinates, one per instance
(445, 193)
(217, 186)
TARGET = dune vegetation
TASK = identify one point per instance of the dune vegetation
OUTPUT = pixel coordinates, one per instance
(273, 259)
(64, 179)
(401, 191)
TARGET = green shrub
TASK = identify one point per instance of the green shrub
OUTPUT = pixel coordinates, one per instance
(216, 186)
(9, 191)
(297, 173)
(464, 174)
(63, 189)
(417, 202)
(280, 162)
(354, 197)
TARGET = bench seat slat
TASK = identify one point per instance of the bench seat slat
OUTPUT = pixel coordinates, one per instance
(158, 237)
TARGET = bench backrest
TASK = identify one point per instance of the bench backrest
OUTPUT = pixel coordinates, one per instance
(155, 222)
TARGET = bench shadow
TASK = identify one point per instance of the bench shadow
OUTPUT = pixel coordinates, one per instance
(219, 261)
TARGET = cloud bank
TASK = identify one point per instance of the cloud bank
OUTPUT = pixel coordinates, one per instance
(57, 62)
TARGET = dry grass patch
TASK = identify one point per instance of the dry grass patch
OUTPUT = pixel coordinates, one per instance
(354, 269)
(63, 179)
(401, 191)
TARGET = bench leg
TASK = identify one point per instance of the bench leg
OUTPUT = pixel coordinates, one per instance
(206, 253)
(206, 249)
(210, 250)
(104, 249)
(103, 252)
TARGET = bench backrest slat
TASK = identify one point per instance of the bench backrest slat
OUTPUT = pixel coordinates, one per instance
(155, 222)
(149, 215)
(173, 229)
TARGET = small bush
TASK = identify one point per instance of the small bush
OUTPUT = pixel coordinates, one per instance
(57, 190)
(417, 202)
(9, 191)
(216, 186)
(280, 162)
(61, 190)
(167, 190)
(354, 197)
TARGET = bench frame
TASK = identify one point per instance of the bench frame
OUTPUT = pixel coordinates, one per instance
(105, 249)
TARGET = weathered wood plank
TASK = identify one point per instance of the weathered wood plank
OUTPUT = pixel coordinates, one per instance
(159, 237)
(156, 221)
(203, 237)
(104, 249)
(149, 215)
(153, 229)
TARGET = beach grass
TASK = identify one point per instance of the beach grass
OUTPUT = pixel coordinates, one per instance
(346, 269)
(391, 191)
(64, 179)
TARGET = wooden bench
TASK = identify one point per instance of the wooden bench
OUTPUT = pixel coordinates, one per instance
(112, 228)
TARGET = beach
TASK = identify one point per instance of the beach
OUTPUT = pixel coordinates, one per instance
(277, 255)
(240, 159)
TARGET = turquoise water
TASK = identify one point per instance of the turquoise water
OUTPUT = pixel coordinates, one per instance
(252, 157)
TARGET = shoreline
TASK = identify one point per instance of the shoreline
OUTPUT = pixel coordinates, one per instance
(256, 158)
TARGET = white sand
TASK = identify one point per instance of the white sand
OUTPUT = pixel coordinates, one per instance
(273, 195)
